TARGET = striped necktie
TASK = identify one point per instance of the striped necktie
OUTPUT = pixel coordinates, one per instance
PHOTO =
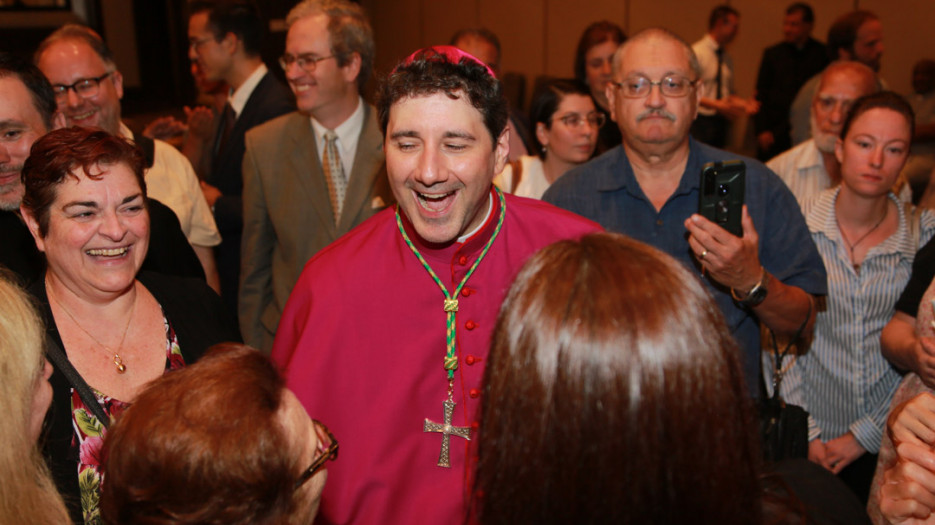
(334, 174)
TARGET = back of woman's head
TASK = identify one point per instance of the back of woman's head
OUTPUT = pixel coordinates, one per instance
(204, 444)
(27, 494)
(21, 359)
(613, 393)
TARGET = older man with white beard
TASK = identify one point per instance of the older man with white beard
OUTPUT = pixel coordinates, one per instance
(811, 167)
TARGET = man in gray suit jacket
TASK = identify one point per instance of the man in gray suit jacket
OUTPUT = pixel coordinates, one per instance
(312, 175)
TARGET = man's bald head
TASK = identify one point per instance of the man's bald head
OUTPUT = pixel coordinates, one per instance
(841, 84)
(861, 75)
(656, 33)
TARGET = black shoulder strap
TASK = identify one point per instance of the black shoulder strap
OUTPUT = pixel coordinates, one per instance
(148, 146)
(55, 354)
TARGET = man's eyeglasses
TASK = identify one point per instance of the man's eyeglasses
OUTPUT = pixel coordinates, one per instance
(828, 102)
(573, 120)
(307, 62)
(638, 86)
(196, 43)
(84, 88)
(327, 450)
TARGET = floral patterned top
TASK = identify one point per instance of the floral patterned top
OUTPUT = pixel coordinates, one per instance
(89, 433)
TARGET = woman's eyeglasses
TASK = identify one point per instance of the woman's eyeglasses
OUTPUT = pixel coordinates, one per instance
(327, 450)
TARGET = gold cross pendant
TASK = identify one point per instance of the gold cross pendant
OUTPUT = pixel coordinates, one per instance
(447, 430)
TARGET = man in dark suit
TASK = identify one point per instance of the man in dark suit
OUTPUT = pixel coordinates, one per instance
(224, 39)
(783, 69)
(297, 198)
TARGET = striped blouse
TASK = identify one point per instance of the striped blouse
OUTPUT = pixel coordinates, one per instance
(843, 380)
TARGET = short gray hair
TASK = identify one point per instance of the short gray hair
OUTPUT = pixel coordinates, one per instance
(349, 31)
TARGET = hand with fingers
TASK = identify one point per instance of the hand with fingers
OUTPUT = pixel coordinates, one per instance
(907, 495)
(730, 260)
(913, 421)
(841, 452)
(924, 357)
(199, 121)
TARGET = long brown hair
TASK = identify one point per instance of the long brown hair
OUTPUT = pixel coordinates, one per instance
(613, 394)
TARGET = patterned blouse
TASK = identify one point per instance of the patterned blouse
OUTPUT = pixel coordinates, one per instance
(89, 433)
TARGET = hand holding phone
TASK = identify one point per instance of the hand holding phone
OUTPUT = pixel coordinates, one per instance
(721, 197)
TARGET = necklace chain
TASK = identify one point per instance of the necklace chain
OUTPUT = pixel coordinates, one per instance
(451, 303)
(118, 362)
(850, 245)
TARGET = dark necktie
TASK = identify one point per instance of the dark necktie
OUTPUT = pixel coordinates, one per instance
(720, 64)
(225, 127)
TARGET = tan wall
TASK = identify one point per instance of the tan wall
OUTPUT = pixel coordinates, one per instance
(539, 36)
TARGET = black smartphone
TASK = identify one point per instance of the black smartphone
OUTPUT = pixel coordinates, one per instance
(721, 198)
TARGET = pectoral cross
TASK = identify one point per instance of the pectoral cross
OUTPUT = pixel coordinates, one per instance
(447, 430)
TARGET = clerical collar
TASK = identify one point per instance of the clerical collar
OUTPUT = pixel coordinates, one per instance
(468, 235)
(466, 244)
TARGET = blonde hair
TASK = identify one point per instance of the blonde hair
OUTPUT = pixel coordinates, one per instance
(27, 494)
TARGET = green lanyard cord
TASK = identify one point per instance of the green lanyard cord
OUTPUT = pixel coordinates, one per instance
(451, 303)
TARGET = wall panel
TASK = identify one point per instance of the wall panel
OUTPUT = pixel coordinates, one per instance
(565, 21)
(907, 37)
(539, 36)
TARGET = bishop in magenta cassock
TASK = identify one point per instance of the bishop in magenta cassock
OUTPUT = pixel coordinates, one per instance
(385, 336)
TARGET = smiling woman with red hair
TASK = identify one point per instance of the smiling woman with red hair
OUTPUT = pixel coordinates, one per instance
(112, 328)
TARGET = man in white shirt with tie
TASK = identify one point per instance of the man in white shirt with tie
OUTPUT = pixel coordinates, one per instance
(719, 104)
(224, 40)
(312, 175)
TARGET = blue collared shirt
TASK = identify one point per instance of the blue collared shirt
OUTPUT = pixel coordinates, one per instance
(606, 191)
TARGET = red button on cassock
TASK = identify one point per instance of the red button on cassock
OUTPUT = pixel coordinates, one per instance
(470, 360)
(474, 393)
(462, 260)
(470, 325)
(466, 292)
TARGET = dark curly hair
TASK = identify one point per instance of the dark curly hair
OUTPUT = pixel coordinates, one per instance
(429, 71)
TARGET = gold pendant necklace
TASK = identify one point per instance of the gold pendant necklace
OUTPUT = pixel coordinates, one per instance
(118, 362)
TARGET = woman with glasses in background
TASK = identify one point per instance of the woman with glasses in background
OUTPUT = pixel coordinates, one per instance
(566, 128)
(234, 446)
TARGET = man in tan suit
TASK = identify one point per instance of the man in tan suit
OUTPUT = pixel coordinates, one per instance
(312, 175)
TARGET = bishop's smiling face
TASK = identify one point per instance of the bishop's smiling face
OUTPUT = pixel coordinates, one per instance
(441, 160)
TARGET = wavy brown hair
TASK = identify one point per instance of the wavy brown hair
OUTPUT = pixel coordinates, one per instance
(204, 444)
(613, 394)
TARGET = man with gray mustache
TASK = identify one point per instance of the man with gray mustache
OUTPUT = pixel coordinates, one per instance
(649, 188)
